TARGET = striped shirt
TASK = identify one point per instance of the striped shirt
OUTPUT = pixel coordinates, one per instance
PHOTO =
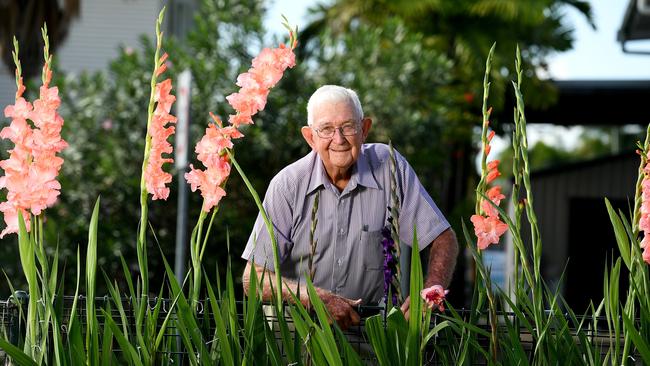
(349, 259)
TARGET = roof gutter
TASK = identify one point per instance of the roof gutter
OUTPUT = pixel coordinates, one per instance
(638, 11)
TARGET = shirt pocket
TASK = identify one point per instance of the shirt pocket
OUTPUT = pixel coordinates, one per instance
(371, 251)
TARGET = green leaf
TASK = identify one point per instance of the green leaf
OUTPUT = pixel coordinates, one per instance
(187, 326)
(107, 343)
(328, 345)
(92, 331)
(127, 348)
(117, 300)
(413, 355)
(73, 309)
(18, 356)
(76, 348)
(621, 235)
(378, 339)
(127, 277)
(639, 342)
(439, 327)
(157, 332)
(350, 357)
(398, 331)
(220, 326)
(28, 262)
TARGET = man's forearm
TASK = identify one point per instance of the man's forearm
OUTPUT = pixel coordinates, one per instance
(270, 285)
(340, 309)
(442, 259)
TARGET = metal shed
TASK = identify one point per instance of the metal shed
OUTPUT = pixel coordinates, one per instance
(574, 223)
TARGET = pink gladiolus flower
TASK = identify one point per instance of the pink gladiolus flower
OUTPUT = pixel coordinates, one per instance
(285, 56)
(246, 103)
(644, 220)
(210, 151)
(488, 230)
(21, 86)
(156, 179)
(267, 69)
(490, 136)
(163, 66)
(215, 141)
(493, 171)
(495, 195)
(645, 244)
(240, 119)
(434, 296)
(209, 181)
(32, 167)
(20, 110)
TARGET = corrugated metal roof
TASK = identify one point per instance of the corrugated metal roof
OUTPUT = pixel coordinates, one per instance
(585, 164)
(592, 103)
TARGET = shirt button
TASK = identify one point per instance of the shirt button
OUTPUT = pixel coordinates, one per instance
(341, 231)
(338, 262)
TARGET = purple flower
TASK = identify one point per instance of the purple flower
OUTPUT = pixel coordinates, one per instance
(390, 263)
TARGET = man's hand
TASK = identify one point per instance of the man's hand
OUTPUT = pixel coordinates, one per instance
(341, 309)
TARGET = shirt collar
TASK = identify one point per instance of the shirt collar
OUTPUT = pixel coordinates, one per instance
(318, 175)
(361, 174)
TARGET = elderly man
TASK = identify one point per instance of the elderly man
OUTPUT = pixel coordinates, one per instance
(352, 180)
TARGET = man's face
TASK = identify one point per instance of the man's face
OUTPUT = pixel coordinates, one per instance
(338, 152)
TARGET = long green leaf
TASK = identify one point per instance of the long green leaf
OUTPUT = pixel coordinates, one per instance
(642, 345)
(16, 354)
(220, 326)
(76, 350)
(28, 262)
(621, 235)
(398, 331)
(413, 355)
(127, 348)
(107, 342)
(378, 340)
(187, 326)
(73, 309)
(350, 357)
(117, 300)
(92, 331)
(328, 337)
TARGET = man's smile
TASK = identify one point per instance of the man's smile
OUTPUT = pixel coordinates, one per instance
(340, 149)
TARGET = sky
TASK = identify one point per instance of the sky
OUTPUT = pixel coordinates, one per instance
(597, 55)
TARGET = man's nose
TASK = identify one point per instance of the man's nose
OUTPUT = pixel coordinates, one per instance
(338, 137)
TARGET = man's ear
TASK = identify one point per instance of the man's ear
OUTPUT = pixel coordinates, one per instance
(366, 123)
(308, 135)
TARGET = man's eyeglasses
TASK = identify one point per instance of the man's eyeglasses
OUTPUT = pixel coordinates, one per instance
(327, 132)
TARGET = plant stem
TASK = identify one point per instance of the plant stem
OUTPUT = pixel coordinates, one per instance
(269, 228)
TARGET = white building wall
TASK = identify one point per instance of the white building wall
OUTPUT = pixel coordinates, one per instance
(95, 36)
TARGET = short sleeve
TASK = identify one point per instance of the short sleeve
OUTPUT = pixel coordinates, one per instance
(259, 248)
(418, 211)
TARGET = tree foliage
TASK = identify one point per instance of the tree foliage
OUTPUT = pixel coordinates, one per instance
(414, 64)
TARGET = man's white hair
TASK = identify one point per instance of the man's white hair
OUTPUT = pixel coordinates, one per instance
(333, 94)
